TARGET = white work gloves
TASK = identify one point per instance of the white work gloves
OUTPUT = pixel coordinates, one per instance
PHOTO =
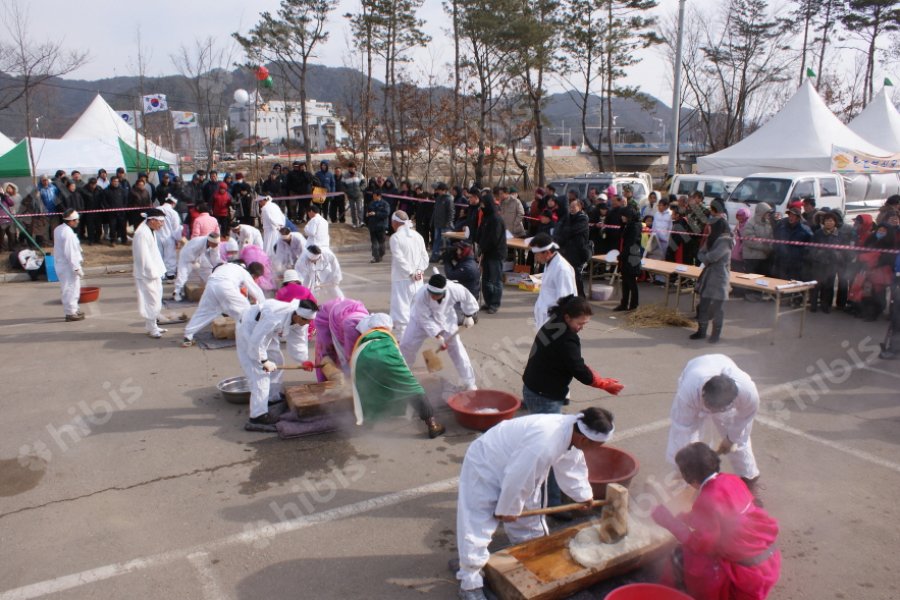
(268, 366)
(79, 272)
(468, 322)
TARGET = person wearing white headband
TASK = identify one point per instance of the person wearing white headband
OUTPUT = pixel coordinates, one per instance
(228, 291)
(288, 249)
(316, 229)
(246, 235)
(169, 237)
(68, 257)
(258, 333)
(320, 271)
(272, 219)
(409, 259)
(200, 255)
(148, 270)
(502, 476)
(558, 280)
(433, 315)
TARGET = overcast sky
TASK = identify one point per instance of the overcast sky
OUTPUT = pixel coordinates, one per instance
(108, 29)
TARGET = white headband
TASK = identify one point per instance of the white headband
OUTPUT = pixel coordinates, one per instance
(172, 199)
(394, 217)
(551, 246)
(306, 313)
(435, 290)
(72, 217)
(594, 436)
(144, 215)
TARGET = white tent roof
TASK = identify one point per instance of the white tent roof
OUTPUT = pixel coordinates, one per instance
(83, 155)
(798, 138)
(879, 123)
(100, 122)
(6, 144)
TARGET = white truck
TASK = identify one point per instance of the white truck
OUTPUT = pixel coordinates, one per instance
(863, 193)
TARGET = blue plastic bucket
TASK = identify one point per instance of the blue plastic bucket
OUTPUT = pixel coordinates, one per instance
(50, 266)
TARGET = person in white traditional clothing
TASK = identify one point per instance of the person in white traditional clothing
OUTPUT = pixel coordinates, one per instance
(149, 270)
(288, 251)
(246, 235)
(712, 387)
(316, 229)
(409, 259)
(433, 315)
(503, 473)
(228, 291)
(272, 220)
(558, 280)
(320, 272)
(169, 237)
(67, 253)
(200, 254)
(258, 335)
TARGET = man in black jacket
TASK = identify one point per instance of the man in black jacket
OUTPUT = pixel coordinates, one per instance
(299, 182)
(92, 198)
(442, 217)
(492, 244)
(116, 197)
(460, 266)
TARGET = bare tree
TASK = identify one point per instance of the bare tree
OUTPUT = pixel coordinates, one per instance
(29, 64)
(206, 66)
(290, 38)
(868, 21)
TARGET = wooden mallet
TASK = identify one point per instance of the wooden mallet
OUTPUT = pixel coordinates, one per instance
(432, 361)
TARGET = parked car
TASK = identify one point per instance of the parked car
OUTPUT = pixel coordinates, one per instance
(641, 184)
(778, 189)
(712, 186)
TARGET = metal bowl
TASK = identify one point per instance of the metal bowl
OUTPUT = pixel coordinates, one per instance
(235, 390)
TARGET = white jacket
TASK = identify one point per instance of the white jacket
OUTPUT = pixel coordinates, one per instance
(325, 271)
(288, 253)
(272, 221)
(262, 325)
(436, 317)
(198, 248)
(408, 253)
(66, 249)
(557, 282)
(249, 235)
(173, 229)
(148, 262)
(237, 276)
(317, 232)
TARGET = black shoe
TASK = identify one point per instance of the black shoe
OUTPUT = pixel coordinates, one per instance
(492, 310)
(813, 309)
(75, 317)
(264, 419)
(374, 260)
(826, 310)
(435, 429)
(620, 308)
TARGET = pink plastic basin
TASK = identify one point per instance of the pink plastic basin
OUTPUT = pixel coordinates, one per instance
(646, 591)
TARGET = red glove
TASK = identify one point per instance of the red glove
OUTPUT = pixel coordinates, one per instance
(308, 365)
(611, 386)
(664, 518)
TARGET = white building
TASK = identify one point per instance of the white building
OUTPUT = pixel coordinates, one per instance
(277, 120)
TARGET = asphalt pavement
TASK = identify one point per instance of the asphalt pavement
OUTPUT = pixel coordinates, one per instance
(123, 474)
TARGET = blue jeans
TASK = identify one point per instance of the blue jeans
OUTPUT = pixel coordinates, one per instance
(539, 404)
(437, 243)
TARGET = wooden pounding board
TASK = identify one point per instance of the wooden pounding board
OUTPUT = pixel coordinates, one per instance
(543, 568)
(308, 395)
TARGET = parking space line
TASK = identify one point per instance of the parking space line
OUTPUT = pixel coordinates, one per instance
(208, 580)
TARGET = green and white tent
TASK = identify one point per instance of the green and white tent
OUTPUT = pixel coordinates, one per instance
(99, 139)
(6, 144)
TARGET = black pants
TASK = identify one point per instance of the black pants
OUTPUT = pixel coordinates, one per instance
(92, 228)
(420, 404)
(492, 281)
(629, 290)
(823, 293)
(579, 279)
(337, 209)
(117, 227)
(376, 235)
(711, 310)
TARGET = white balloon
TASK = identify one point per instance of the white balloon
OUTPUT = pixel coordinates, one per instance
(241, 96)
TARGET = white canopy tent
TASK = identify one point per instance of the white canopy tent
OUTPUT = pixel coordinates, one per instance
(879, 123)
(6, 144)
(101, 123)
(798, 138)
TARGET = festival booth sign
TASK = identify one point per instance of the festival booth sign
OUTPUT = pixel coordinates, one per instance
(846, 160)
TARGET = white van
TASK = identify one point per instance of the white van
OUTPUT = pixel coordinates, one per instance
(778, 189)
(712, 186)
(641, 184)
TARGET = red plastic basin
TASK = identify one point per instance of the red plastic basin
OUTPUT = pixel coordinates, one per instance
(646, 591)
(89, 294)
(466, 405)
(607, 464)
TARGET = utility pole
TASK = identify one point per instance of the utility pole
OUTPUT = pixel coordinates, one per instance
(676, 94)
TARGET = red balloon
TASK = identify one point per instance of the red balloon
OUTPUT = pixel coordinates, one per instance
(262, 73)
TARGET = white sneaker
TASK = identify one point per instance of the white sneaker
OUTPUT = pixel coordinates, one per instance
(158, 333)
(471, 387)
(177, 297)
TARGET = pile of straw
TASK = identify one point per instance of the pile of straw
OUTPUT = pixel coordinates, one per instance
(656, 315)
